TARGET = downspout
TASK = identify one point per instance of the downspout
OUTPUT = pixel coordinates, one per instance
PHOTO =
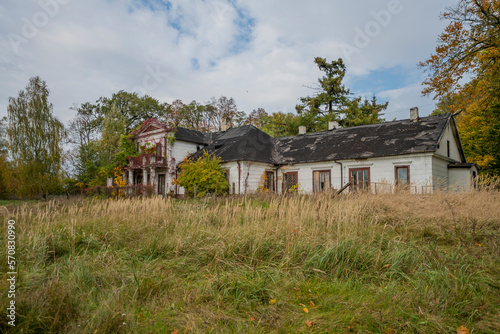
(341, 173)
(239, 177)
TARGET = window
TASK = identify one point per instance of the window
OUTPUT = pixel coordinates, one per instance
(321, 180)
(158, 149)
(269, 184)
(360, 177)
(402, 176)
(289, 180)
(227, 175)
(161, 184)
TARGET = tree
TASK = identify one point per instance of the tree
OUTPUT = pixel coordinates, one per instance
(332, 101)
(281, 125)
(4, 166)
(332, 94)
(464, 77)
(468, 46)
(362, 111)
(258, 118)
(35, 139)
(224, 109)
(134, 108)
(83, 133)
(205, 173)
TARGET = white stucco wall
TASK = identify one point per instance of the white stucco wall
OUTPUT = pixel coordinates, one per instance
(461, 179)
(246, 178)
(382, 172)
(440, 173)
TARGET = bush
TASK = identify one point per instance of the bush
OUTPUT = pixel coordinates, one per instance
(206, 173)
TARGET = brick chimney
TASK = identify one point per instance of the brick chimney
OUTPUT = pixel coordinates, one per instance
(333, 125)
(225, 124)
(414, 114)
(302, 130)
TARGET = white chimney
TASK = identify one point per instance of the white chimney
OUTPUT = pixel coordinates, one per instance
(414, 114)
(302, 130)
(333, 125)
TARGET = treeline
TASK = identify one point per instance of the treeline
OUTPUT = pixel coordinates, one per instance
(41, 156)
(464, 77)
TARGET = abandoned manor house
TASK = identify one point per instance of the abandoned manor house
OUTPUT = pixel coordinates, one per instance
(419, 154)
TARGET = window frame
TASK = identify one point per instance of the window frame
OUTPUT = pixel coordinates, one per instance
(266, 184)
(329, 180)
(396, 175)
(286, 186)
(366, 184)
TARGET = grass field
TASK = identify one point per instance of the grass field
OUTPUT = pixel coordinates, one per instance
(301, 264)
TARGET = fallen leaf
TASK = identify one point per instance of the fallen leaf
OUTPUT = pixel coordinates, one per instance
(478, 244)
(272, 301)
(294, 231)
(306, 310)
(389, 331)
(253, 319)
(463, 330)
(176, 331)
(312, 304)
(309, 323)
(295, 289)
(387, 266)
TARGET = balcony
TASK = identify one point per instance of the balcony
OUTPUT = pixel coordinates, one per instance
(146, 160)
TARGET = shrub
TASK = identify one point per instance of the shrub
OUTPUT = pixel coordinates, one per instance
(206, 173)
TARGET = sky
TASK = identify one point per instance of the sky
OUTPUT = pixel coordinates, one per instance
(260, 52)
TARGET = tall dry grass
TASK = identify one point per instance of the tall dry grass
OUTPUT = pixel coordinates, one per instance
(387, 262)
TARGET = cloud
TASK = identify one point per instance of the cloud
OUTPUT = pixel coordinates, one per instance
(258, 52)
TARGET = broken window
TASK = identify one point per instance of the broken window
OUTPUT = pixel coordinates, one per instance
(321, 180)
(360, 178)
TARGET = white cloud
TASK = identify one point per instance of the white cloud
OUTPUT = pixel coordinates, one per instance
(95, 48)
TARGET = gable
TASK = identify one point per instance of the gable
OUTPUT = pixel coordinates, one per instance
(449, 145)
(150, 126)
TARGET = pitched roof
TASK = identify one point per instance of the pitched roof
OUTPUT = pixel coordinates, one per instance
(241, 143)
(366, 141)
(192, 136)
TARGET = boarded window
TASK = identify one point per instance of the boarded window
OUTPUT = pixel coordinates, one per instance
(290, 180)
(402, 176)
(269, 184)
(360, 177)
(321, 180)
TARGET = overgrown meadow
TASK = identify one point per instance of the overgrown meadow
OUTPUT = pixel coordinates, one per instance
(394, 263)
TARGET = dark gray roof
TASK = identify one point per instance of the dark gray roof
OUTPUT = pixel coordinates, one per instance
(360, 142)
(191, 136)
(241, 143)
(366, 141)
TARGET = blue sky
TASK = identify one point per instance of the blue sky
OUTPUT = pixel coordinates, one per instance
(258, 52)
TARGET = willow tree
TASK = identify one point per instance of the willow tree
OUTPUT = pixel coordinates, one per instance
(35, 140)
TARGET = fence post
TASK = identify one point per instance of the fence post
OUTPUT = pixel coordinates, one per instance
(195, 191)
